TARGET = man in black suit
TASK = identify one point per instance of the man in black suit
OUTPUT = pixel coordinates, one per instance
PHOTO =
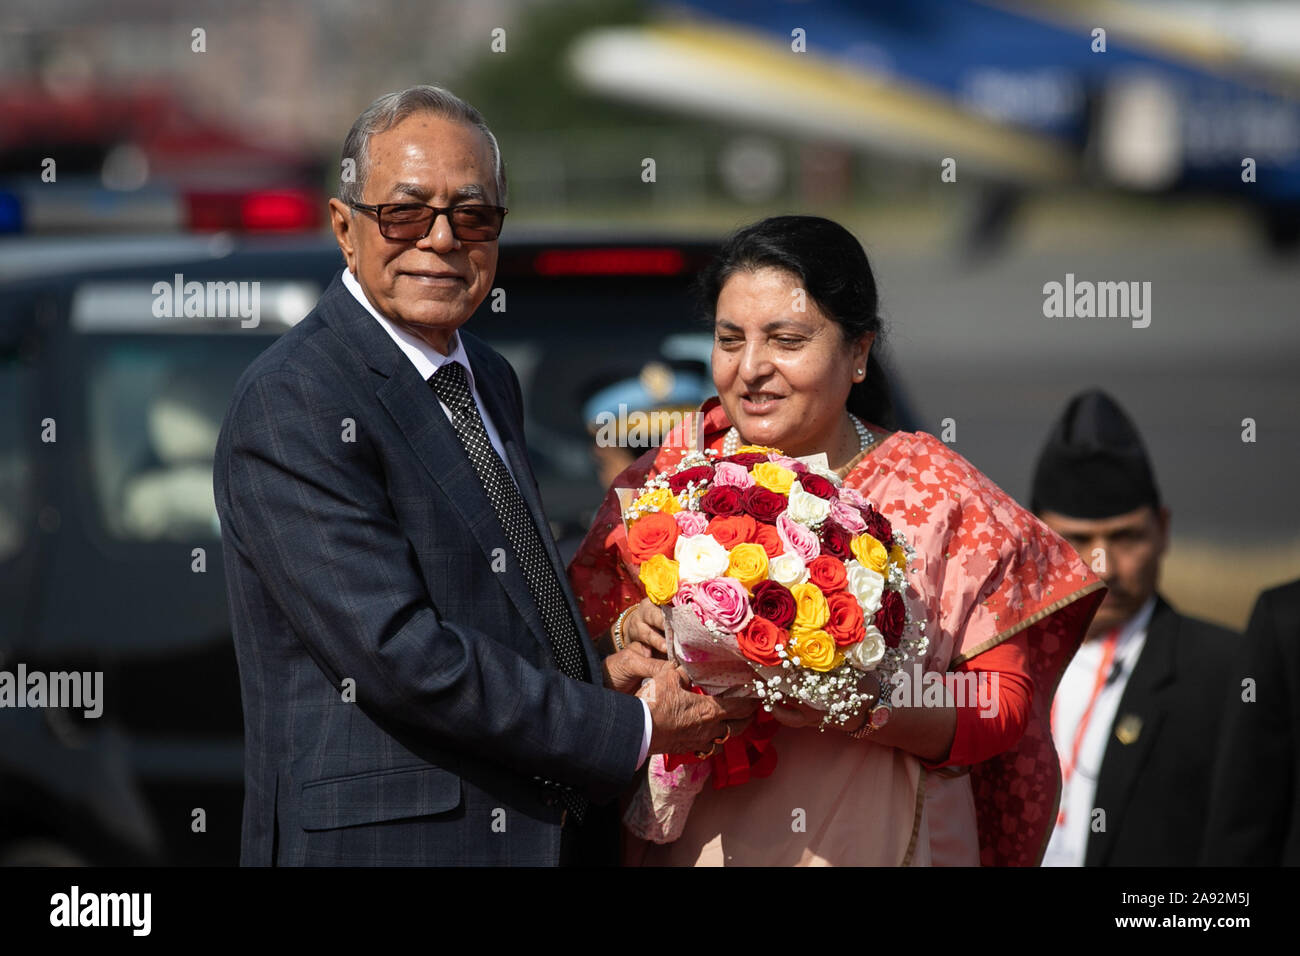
(416, 686)
(1255, 806)
(1137, 712)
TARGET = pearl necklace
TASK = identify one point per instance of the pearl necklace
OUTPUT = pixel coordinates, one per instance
(731, 444)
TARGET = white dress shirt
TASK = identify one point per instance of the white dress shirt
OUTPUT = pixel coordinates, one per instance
(1070, 839)
(428, 360)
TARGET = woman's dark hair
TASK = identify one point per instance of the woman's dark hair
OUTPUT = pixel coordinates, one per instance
(834, 270)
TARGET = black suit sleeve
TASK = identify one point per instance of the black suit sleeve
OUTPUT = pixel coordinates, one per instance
(1254, 779)
(310, 513)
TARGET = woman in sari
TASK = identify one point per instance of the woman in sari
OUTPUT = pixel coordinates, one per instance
(930, 781)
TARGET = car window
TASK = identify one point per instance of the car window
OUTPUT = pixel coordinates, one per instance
(154, 407)
(16, 381)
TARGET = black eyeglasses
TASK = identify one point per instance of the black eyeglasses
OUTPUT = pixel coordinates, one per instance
(412, 221)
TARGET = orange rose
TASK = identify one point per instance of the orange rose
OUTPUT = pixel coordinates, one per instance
(758, 641)
(828, 574)
(768, 537)
(846, 624)
(732, 530)
(655, 533)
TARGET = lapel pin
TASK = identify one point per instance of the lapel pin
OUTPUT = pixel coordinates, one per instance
(1128, 729)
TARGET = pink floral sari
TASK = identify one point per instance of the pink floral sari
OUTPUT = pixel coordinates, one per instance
(986, 570)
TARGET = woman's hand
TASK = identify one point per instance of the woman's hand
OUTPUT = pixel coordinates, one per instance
(797, 715)
(800, 715)
(645, 625)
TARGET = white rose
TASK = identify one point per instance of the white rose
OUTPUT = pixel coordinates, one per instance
(866, 585)
(866, 654)
(699, 558)
(830, 476)
(787, 569)
(805, 508)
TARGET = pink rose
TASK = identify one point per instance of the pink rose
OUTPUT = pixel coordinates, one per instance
(797, 538)
(685, 598)
(785, 461)
(845, 515)
(724, 602)
(692, 522)
(851, 496)
(730, 473)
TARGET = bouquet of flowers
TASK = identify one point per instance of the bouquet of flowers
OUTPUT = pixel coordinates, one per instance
(777, 582)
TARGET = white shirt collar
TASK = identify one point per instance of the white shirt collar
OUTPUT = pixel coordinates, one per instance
(423, 356)
(1134, 631)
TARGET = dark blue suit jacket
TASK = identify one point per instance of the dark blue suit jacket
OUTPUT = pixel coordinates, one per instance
(364, 561)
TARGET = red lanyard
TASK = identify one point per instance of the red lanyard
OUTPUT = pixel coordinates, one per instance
(1103, 672)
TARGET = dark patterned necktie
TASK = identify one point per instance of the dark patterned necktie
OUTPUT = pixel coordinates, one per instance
(452, 386)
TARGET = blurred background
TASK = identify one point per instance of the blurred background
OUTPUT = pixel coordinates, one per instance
(978, 150)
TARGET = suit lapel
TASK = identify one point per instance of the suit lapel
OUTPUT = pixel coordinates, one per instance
(415, 410)
(496, 400)
(1137, 723)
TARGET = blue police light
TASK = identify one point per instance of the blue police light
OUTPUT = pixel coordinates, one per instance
(11, 213)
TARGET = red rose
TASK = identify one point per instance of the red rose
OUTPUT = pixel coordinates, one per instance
(798, 467)
(764, 504)
(771, 541)
(828, 573)
(749, 459)
(721, 500)
(655, 533)
(732, 530)
(758, 641)
(819, 486)
(835, 541)
(878, 526)
(774, 603)
(846, 624)
(889, 619)
(679, 481)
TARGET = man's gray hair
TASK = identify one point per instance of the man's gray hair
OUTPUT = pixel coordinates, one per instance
(389, 110)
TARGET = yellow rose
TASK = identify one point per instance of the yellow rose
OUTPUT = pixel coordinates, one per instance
(747, 563)
(756, 450)
(659, 577)
(815, 648)
(658, 499)
(773, 477)
(898, 558)
(811, 610)
(871, 554)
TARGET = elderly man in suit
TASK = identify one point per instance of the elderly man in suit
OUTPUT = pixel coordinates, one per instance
(1138, 710)
(416, 687)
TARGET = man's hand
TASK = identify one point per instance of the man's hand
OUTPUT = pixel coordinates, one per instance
(645, 626)
(626, 670)
(686, 722)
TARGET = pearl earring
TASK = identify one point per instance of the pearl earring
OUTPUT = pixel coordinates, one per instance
(862, 371)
